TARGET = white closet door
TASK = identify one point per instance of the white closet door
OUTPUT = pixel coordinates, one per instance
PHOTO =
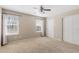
(50, 27)
(71, 29)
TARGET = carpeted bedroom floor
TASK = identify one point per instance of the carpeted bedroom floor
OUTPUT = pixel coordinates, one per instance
(39, 45)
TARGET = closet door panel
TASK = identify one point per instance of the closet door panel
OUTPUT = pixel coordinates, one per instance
(71, 29)
(67, 29)
(75, 29)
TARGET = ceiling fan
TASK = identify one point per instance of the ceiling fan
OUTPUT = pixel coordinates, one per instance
(42, 9)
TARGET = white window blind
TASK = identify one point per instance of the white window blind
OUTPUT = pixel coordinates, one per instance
(11, 24)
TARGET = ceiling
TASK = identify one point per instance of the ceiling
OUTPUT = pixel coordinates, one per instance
(34, 9)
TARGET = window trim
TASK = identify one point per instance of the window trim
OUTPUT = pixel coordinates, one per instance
(5, 24)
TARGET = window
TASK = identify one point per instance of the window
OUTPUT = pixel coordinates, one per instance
(11, 24)
(38, 28)
(39, 25)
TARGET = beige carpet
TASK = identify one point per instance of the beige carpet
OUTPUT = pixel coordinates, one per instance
(39, 45)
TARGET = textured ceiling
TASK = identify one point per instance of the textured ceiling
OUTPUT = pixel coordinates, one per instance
(34, 9)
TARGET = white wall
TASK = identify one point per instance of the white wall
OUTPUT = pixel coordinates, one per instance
(50, 27)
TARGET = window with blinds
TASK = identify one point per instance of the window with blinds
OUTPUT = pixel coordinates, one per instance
(39, 25)
(11, 24)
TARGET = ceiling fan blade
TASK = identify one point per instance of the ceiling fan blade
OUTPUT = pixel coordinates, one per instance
(47, 9)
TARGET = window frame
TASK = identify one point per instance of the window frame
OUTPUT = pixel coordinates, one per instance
(5, 24)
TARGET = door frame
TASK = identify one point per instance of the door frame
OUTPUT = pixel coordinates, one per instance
(2, 30)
